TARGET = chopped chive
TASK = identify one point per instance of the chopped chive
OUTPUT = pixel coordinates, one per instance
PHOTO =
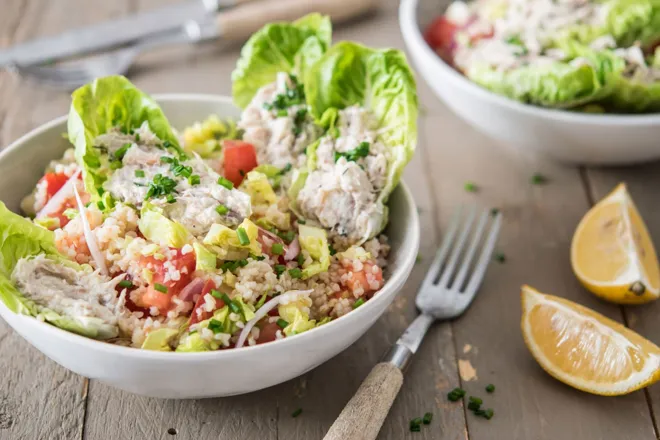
(139, 173)
(282, 323)
(456, 394)
(221, 209)
(194, 179)
(286, 168)
(427, 418)
(167, 144)
(101, 205)
(470, 187)
(282, 113)
(215, 326)
(301, 221)
(538, 179)
(333, 251)
(279, 269)
(358, 303)
(490, 388)
(418, 259)
(500, 257)
(287, 236)
(488, 414)
(243, 238)
(415, 424)
(476, 400)
(137, 137)
(296, 413)
(277, 249)
(170, 198)
(473, 406)
(160, 287)
(224, 182)
(100, 190)
(300, 259)
(125, 284)
(261, 301)
(216, 294)
(295, 273)
(494, 212)
(242, 262)
(115, 165)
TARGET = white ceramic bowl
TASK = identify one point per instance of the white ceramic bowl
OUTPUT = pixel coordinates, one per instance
(195, 375)
(567, 136)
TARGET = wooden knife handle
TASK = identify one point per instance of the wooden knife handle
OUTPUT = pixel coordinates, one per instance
(242, 21)
(363, 416)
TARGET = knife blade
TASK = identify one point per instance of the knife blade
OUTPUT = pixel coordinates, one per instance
(111, 34)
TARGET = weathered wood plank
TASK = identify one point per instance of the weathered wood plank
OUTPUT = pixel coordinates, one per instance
(642, 181)
(539, 223)
(40, 400)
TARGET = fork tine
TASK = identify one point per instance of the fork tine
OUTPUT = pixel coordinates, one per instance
(458, 248)
(440, 256)
(484, 259)
(467, 261)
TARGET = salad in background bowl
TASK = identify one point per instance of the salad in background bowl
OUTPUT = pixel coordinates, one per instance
(232, 238)
(574, 80)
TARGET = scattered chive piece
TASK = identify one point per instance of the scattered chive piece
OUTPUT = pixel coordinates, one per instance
(300, 259)
(427, 418)
(494, 212)
(261, 301)
(279, 269)
(171, 199)
(474, 406)
(287, 236)
(295, 273)
(224, 182)
(538, 179)
(456, 394)
(296, 413)
(277, 249)
(470, 187)
(500, 257)
(358, 303)
(242, 262)
(221, 209)
(101, 205)
(125, 284)
(216, 294)
(415, 424)
(286, 169)
(194, 179)
(418, 259)
(488, 414)
(137, 137)
(160, 287)
(115, 165)
(490, 388)
(243, 238)
(332, 250)
(301, 221)
(476, 400)
(139, 173)
(282, 323)
(215, 326)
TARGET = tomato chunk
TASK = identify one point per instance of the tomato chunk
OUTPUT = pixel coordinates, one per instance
(268, 332)
(367, 280)
(239, 159)
(184, 264)
(54, 182)
(440, 35)
(199, 313)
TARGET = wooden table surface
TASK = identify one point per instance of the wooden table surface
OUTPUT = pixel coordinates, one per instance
(41, 400)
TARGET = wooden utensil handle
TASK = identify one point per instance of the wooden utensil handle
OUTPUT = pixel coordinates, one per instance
(363, 416)
(242, 21)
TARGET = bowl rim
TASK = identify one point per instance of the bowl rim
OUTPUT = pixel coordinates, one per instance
(412, 35)
(398, 277)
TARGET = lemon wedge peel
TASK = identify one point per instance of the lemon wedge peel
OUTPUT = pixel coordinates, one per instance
(632, 284)
(581, 318)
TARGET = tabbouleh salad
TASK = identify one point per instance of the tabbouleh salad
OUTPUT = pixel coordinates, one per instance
(226, 234)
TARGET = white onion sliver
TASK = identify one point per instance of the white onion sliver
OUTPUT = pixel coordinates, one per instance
(55, 202)
(89, 236)
(192, 288)
(292, 250)
(263, 311)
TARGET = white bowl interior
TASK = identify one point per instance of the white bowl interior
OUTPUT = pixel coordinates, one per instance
(148, 373)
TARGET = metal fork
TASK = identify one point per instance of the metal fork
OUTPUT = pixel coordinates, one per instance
(449, 287)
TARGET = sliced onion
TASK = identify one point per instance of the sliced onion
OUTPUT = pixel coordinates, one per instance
(55, 203)
(292, 250)
(89, 236)
(263, 311)
(192, 289)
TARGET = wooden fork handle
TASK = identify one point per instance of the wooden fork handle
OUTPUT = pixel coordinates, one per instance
(364, 414)
(242, 21)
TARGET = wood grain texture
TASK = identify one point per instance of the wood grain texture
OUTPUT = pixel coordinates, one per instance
(363, 415)
(643, 182)
(538, 225)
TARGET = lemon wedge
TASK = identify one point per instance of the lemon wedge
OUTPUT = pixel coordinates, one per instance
(584, 349)
(612, 253)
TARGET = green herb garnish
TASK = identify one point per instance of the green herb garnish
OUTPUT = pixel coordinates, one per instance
(194, 179)
(281, 323)
(277, 249)
(139, 173)
(243, 238)
(100, 205)
(358, 303)
(215, 326)
(160, 287)
(125, 284)
(490, 388)
(361, 150)
(279, 269)
(225, 182)
(456, 394)
(416, 425)
(538, 179)
(160, 186)
(221, 209)
(427, 418)
(500, 257)
(295, 273)
(470, 187)
(216, 294)
(296, 413)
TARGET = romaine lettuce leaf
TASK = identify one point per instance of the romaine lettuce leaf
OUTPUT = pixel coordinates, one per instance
(314, 241)
(379, 80)
(279, 47)
(107, 103)
(159, 229)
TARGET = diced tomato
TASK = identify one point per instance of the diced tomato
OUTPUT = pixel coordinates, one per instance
(54, 182)
(268, 332)
(360, 279)
(199, 313)
(239, 159)
(185, 264)
(440, 35)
